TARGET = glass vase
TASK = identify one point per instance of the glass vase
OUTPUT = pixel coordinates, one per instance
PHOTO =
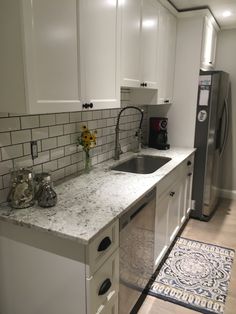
(88, 164)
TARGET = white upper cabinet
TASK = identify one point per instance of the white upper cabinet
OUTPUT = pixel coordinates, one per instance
(131, 43)
(99, 42)
(139, 43)
(58, 54)
(166, 56)
(40, 58)
(208, 45)
(150, 26)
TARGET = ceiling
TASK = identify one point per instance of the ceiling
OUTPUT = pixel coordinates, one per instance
(217, 7)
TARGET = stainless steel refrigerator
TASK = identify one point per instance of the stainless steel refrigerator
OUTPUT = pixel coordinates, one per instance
(211, 132)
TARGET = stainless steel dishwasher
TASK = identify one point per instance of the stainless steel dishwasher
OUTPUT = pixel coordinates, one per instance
(136, 251)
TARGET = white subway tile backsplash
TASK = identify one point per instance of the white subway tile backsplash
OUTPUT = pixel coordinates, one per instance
(63, 162)
(3, 195)
(73, 138)
(29, 122)
(40, 133)
(23, 162)
(62, 118)
(58, 174)
(63, 140)
(71, 169)
(6, 180)
(69, 128)
(56, 136)
(75, 116)
(42, 158)
(56, 130)
(97, 115)
(47, 119)
(57, 153)
(50, 166)
(77, 157)
(105, 114)
(9, 124)
(21, 136)
(6, 167)
(102, 123)
(87, 115)
(10, 152)
(5, 139)
(92, 125)
(49, 143)
(71, 149)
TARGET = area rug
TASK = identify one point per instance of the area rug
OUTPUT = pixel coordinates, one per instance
(195, 275)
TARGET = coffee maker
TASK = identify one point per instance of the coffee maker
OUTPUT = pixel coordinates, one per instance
(158, 133)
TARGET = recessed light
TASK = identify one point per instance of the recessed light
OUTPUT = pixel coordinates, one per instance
(227, 13)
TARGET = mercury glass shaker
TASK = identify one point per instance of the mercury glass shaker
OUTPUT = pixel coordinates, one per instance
(21, 193)
(46, 196)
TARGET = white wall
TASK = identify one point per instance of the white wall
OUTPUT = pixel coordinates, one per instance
(226, 60)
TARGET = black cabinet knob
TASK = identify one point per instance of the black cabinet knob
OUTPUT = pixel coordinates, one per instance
(85, 106)
(189, 163)
(189, 174)
(145, 84)
(91, 105)
(104, 244)
(172, 194)
(105, 286)
(166, 101)
(142, 84)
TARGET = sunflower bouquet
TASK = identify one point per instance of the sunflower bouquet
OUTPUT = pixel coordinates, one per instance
(87, 140)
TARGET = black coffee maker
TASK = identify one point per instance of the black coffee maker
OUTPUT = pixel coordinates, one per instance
(158, 133)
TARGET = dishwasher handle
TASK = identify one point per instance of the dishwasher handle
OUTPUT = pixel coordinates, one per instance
(135, 210)
(138, 210)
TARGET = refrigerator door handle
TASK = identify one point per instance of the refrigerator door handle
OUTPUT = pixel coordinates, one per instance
(226, 128)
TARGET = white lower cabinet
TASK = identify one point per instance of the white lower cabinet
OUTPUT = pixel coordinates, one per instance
(41, 273)
(173, 204)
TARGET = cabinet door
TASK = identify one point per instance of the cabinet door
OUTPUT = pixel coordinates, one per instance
(174, 211)
(99, 39)
(150, 24)
(166, 57)
(208, 45)
(131, 43)
(161, 241)
(51, 55)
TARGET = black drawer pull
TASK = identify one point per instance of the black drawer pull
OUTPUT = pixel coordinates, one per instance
(105, 286)
(172, 194)
(142, 84)
(166, 101)
(91, 105)
(189, 163)
(145, 84)
(189, 174)
(104, 244)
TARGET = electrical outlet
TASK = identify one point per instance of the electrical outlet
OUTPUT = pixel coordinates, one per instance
(34, 149)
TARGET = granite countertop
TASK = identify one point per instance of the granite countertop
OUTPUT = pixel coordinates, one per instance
(90, 202)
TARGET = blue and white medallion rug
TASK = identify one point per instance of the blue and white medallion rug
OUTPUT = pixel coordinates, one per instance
(195, 275)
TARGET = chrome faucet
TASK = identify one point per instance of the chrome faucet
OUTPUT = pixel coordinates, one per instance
(118, 150)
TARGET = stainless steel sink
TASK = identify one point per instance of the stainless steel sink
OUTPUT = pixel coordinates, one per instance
(142, 164)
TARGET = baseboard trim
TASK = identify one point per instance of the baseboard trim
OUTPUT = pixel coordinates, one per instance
(230, 194)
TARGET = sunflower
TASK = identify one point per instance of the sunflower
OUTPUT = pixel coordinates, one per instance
(87, 139)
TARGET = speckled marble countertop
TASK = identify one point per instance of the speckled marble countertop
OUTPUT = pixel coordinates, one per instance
(90, 202)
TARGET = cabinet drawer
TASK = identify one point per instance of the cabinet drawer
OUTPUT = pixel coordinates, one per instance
(103, 286)
(102, 247)
(189, 163)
